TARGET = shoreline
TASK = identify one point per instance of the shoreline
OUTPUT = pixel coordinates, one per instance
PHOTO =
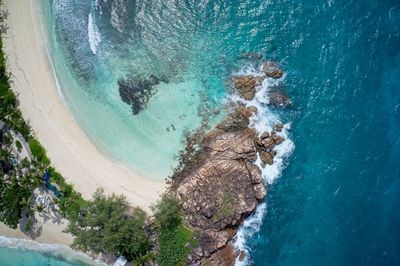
(68, 147)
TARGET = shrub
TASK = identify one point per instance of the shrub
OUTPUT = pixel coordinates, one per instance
(167, 213)
(174, 245)
(18, 145)
(175, 240)
(38, 151)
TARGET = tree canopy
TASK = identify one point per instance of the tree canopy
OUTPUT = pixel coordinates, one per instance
(103, 225)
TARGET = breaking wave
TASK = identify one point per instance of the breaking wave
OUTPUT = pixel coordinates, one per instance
(94, 36)
(263, 120)
(56, 251)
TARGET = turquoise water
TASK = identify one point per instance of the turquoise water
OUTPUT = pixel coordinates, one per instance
(15, 252)
(336, 203)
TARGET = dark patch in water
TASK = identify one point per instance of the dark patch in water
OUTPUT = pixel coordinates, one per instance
(137, 92)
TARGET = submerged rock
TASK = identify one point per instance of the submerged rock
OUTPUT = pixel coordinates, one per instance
(279, 98)
(137, 92)
(237, 120)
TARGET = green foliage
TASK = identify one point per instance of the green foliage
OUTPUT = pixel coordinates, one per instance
(18, 145)
(9, 112)
(103, 225)
(38, 151)
(226, 207)
(15, 193)
(175, 245)
(167, 213)
(28, 225)
(175, 241)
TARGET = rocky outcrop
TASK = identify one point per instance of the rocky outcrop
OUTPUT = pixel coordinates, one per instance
(222, 189)
(246, 86)
(218, 184)
(266, 144)
(272, 70)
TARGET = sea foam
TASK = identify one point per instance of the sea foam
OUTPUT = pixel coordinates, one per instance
(94, 36)
(264, 120)
(56, 251)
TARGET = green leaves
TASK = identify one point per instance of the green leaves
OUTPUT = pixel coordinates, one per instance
(167, 213)
(38, 151)
(175, 240)
(103, 225)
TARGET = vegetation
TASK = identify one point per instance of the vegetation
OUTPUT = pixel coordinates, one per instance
(15, 194)
(226, 207)
(175, 240)
(18, 144)
(38, 151)
(105, 223)
(105, 226)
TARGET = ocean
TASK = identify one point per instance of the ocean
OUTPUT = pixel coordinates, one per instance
(19, 252)
(333, 196)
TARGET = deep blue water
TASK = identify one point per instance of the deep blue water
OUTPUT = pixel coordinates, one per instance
(337, 203)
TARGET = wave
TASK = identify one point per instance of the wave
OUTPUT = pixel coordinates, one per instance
(57, 251)
(263, 120)
(94, 36)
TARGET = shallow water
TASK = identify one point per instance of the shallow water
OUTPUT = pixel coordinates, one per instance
(15, 252)
(336, 202)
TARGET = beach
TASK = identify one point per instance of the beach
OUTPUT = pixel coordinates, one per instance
(69, 149)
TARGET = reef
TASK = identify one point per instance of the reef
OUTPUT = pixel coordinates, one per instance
(137, 91)
(218, 183)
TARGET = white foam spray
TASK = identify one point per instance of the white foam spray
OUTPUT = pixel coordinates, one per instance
(94, 36)
(263, 120)
(56, 250)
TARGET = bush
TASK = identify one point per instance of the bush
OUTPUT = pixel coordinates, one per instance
(38, 151)
(18, 145)
(174, 246)
(175, 241)
(167, 213)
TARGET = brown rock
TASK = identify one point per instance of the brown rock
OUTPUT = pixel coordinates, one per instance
(277, 139)
(220, 190)
(253, 109)
(246, 86)
(271, 69)
(267, 157)
(264, 135)
(278, 127)
(237, 120)
(242, 255)
(268, 143)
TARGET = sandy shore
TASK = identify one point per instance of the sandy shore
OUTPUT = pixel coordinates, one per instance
(69, 149)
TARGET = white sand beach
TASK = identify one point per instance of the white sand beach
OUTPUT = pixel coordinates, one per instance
(69, 149)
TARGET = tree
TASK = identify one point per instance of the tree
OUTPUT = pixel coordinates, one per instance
(104, 225)
(15, 193)
(175, 240)
(167, 213)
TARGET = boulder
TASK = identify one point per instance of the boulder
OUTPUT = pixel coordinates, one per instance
(268, 142)
(278, 127)
(267, 157)
(271, 69)
(277, 139)
(246, 86)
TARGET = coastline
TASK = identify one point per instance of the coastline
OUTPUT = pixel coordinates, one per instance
(70, 150)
